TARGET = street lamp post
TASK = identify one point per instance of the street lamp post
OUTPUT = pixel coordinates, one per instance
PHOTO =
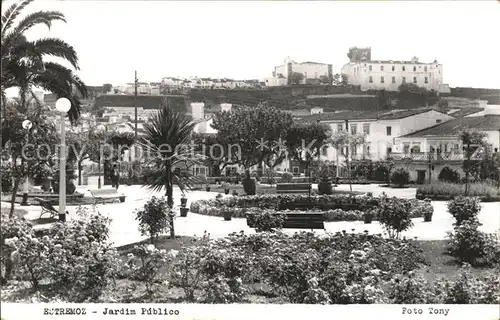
(100, 128)
(62, 105)
(27, 126)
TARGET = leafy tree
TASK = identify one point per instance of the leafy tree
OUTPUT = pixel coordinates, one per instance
(305, 140)
(23, 64)
(215, 152)
(296, 78)
(254, 132)
(167, 140)
(339, 79)
(471, 141)
(23, 146)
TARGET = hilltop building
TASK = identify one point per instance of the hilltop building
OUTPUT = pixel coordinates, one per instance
(313, 72)
(388, 75)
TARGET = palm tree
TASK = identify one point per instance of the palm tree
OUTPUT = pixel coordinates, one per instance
(23, 65)
(167, 138)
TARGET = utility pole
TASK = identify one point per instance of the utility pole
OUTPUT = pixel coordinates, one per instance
(348, 164)
(135, 102)
(131, 167)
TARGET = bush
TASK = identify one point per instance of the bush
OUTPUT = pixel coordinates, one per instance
(410, 289)
(448, 174)
(394, 215)
(267, 220)
(468, 289)
(287, 177)
(381, 172)
(74, 257)
(154, 218)
(341, 215)
(468, 244)
(464, 208)
(6, 177)
(144, 263)
(400, 177)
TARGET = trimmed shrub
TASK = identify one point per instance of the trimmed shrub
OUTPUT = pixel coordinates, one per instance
(287, 177)
(464, 208)
(394, 215)
(266, 220)
(249, 186)
(400, 177)
(154, 218)
(448, 174)
(479, 189)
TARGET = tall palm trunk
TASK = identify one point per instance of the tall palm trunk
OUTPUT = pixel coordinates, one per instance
(169, 193)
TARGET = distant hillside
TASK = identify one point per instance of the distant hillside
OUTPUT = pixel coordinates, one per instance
(491, 95)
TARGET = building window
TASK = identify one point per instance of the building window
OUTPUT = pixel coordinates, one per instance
(381, 79)
(370, 79)
(393, 68)
(295, 170)
(414, 68)
(366, 128)
(404, 68)
(381, 68)
(426, 80)
(404, 79)
(389, 151)
(393, 79)
(339, 127)
(388, 130)
(425, 68)
(456, 148)
(406, 148)
(324, 151)
(354, 128)
(370, 67)
(414, 79)
(354, 151)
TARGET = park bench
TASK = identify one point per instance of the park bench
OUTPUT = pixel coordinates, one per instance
(103, 195)
(47, 207)
(300, 221)
(293, 188)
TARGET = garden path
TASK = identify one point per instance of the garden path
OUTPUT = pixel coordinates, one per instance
(124, 230)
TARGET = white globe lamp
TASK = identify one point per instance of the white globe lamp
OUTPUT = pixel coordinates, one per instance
(63, 105)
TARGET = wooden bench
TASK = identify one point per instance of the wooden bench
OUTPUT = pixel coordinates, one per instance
(293, 188)
(103, 195)
(47, 207)
(300, 221)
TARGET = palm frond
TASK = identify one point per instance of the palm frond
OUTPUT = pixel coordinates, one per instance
(48, 47)
(12, 13)
(39, 17)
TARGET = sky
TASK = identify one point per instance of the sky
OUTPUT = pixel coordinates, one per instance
(246, 39)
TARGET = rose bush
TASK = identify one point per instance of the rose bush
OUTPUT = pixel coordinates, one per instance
(464, 208)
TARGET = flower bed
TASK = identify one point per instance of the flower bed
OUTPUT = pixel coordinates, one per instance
(292, 202)
(214, 208)
(446, 191)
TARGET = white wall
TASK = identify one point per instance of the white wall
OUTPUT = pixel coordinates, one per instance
(359, 74)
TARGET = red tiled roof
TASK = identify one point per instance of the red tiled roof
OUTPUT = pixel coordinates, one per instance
(453, 127)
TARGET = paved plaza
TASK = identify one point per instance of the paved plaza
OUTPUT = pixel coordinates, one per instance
(124, 226)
